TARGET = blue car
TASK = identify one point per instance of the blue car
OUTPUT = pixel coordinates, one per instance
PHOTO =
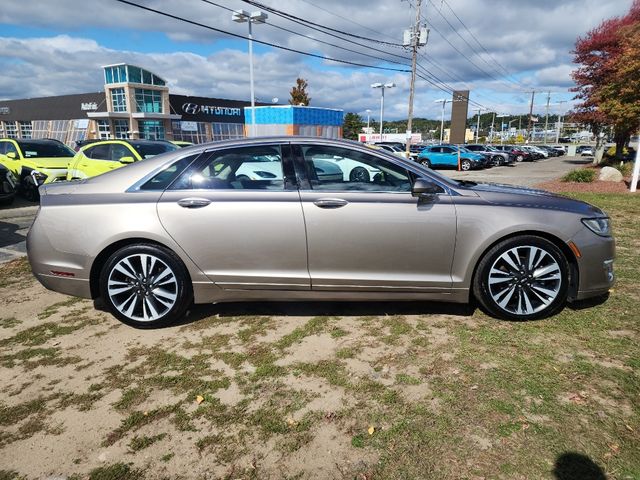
(438, 156)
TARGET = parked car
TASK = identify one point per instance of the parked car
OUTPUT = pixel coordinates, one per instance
(497, 157)
(584, 150)
(182, 144)
(515, 152)
(534, 153)
(35, 162)
(393, 148)
(102, 156)
(159, 235)
(8, 184)
(437, 156)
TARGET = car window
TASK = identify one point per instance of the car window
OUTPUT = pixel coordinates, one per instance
(3, 148)
(10, 147)
(447, 150)
(244, 168)
(99, 152)
(118, 151)
(340, 169)
(163, 179)
(44, 149)
(148, 150)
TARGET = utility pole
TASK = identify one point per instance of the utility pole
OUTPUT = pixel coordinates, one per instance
(414, 37)
(478, 126)
(533, 94)
(493, 121)
(546, 119)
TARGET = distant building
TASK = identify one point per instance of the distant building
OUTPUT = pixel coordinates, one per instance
(136, 103)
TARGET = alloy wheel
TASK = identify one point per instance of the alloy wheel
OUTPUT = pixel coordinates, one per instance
(525, 280)
(142, 287)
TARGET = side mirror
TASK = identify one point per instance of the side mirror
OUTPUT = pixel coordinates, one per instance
(424, 187)
(127, 160)
(12, 155)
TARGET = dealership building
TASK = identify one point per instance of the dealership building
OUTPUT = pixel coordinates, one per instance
(136, 104)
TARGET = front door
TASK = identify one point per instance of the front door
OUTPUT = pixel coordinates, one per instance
(236, 213)
(365, 231)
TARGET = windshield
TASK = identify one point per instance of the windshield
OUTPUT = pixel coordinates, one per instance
(148, 150)
(45, 149)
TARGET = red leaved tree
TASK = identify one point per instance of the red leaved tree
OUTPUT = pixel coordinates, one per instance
(602, 55)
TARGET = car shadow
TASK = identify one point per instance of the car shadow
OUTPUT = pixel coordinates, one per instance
(329, 308)
(8, 235)
(579, 161)
(575, 466)
(588, 302)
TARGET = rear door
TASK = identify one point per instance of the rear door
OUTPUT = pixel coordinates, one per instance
(239, 218)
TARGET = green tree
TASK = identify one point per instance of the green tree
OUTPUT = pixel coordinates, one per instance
(352, 126)
(299, 94)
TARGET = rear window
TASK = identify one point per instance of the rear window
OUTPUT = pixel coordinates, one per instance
(45, 149)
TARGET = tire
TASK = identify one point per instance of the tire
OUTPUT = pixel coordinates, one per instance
(359, 174)
(465, 164)
(519, 158)
(29, 190)
(521, 293)
(498, 161)
(130, 284)
(425, 162)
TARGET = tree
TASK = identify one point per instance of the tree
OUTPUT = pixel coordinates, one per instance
(299, 93)
(352, 126)
(602, 55)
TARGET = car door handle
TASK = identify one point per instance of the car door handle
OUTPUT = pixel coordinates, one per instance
(193, 202)
(330, 203)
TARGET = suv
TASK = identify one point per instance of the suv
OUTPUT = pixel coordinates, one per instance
(35, 162)
(102, 156)
(7, 186)
(447, 156)
(497, 157)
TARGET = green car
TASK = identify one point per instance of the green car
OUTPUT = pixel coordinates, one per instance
(35, 162)
(106, 155)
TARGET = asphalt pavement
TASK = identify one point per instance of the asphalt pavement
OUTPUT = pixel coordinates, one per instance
(16, 219)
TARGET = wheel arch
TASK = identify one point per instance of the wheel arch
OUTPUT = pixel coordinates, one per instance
(103, 256)
(574, 278)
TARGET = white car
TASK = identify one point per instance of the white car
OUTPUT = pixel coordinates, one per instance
(352, 170)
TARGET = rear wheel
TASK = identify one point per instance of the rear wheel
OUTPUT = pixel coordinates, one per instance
(359, 174)
(465, 164)
(519, 158)
(522, 278)
(146, 286)
(498, 161)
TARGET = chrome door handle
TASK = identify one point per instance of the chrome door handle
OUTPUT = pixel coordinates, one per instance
(330, 203)
(193, 202)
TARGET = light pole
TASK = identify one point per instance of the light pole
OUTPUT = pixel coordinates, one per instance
(242, 16)
(368, 118)
(382, 87)
(478, 125)
(559, 122)
(501, 117)
(443, 102)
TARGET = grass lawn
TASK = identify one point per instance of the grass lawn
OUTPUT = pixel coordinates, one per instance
(312, 391)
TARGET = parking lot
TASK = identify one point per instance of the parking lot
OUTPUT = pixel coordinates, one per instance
(322, 390)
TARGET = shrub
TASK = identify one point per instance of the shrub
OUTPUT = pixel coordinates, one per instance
(582, 175)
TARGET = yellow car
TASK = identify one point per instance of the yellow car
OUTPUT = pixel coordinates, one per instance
(182, 144)
(35, 162)
(106, 155)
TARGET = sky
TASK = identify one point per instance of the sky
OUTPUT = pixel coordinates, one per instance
(500, 50)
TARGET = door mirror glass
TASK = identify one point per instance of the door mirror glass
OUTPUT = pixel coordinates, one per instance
(423, 187)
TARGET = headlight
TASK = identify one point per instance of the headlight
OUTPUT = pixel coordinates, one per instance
(599, 226)
(263, 174)
(38, 177)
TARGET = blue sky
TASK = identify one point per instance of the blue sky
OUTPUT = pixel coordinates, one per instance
(53, 51)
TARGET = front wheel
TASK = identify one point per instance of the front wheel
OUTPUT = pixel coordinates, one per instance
(522, 278)
(29, 189)
(146, 286)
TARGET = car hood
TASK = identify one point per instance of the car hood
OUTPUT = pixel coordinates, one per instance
(49, 162)
(510, 195)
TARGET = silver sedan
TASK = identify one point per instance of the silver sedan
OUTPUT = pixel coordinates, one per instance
(148, 240)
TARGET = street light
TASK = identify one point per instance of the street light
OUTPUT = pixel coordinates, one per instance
(368, 118)
(444, 102)
(382, 87)
(242, 16)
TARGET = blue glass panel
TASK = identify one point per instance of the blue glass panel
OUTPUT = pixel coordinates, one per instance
(135, 75)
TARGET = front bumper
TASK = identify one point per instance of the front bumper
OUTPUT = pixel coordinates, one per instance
(595, 266)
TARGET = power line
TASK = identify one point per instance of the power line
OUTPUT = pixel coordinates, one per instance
(262, 42)
(308, 22)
